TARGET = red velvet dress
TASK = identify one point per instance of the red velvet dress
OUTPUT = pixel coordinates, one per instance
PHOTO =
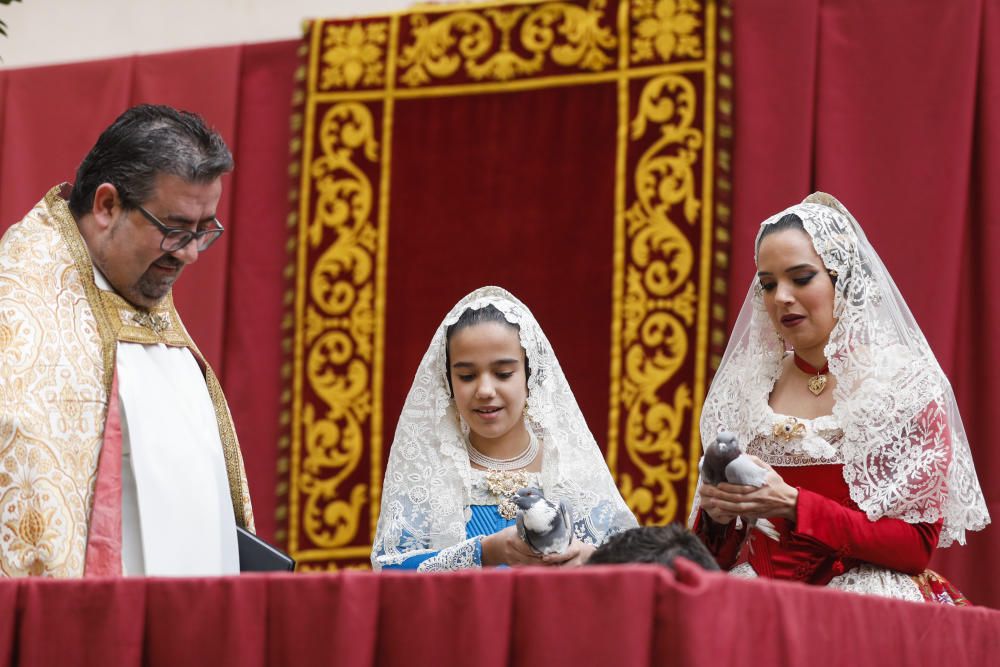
(830, 536)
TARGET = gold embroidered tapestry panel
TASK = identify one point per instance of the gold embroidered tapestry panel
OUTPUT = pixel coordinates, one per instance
(576, 153)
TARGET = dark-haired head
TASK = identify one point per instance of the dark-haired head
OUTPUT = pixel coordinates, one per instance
(785, 223)
(470, 318)
(654, 544)
(145, 141)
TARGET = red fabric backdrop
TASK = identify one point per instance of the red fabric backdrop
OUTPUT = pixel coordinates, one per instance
(894, 106)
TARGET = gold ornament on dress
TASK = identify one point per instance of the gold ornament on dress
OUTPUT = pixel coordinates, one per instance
(503, 485)
(789, 428)
(505, 476)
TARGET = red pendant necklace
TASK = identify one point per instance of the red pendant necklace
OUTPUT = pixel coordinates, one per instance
(817, 383)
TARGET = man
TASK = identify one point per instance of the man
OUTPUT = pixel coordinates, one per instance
(117, 449)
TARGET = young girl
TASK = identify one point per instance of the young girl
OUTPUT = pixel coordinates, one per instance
(490, 412)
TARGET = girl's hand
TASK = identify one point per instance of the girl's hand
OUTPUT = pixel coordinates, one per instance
(507, 548)
(577, 553)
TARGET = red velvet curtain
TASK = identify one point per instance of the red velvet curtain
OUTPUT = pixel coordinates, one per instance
(893, 106)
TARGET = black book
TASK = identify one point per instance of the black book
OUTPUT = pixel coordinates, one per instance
(256, 555)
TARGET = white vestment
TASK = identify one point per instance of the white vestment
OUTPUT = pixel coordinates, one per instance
(177, 516)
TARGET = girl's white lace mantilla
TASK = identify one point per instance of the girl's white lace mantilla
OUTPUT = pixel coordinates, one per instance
(428, 480)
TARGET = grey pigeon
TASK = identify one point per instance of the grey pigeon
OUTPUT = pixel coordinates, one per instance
(543, 525)
(724, 461)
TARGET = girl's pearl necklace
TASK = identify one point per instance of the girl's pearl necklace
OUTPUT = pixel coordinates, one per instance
(514, 463)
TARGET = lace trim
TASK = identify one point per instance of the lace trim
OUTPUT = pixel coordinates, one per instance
(801, 442)
(864, 580)
(743, 571)
(774, 452)
(872, 580)
(458, 557)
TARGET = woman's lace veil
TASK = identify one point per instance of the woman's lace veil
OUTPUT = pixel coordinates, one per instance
(905, 451)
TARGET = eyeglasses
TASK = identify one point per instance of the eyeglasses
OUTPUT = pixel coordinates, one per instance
(174, 238)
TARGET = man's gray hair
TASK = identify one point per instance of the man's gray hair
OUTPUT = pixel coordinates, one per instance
(143, 142)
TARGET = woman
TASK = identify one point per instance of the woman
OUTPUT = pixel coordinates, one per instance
(830, 383)
(489, 412)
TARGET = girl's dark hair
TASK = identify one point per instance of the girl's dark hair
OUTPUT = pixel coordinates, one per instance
(470, 318)
(787, 221)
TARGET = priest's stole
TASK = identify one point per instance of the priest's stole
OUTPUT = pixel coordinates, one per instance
(576, 153)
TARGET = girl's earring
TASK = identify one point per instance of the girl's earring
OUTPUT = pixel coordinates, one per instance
(463, 427)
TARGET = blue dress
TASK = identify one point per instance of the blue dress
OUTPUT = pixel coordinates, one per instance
(485, 520)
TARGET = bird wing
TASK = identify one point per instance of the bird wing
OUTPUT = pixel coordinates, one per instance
(742, 470)
(567, 521)
(522, 531)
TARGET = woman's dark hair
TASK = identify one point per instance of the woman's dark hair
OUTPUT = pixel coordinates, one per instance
(145, 141)
(785, 222)
(470, 318)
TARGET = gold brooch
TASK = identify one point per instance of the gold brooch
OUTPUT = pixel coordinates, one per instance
(789, 428)
(503, 485)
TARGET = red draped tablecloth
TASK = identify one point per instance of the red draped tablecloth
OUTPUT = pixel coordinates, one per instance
(639, 615)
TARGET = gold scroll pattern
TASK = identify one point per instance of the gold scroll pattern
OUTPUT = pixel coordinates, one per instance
(658, 51)
(353, 55)
(666, 30)
(338, 327)
(660, 295)
(572, 36)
